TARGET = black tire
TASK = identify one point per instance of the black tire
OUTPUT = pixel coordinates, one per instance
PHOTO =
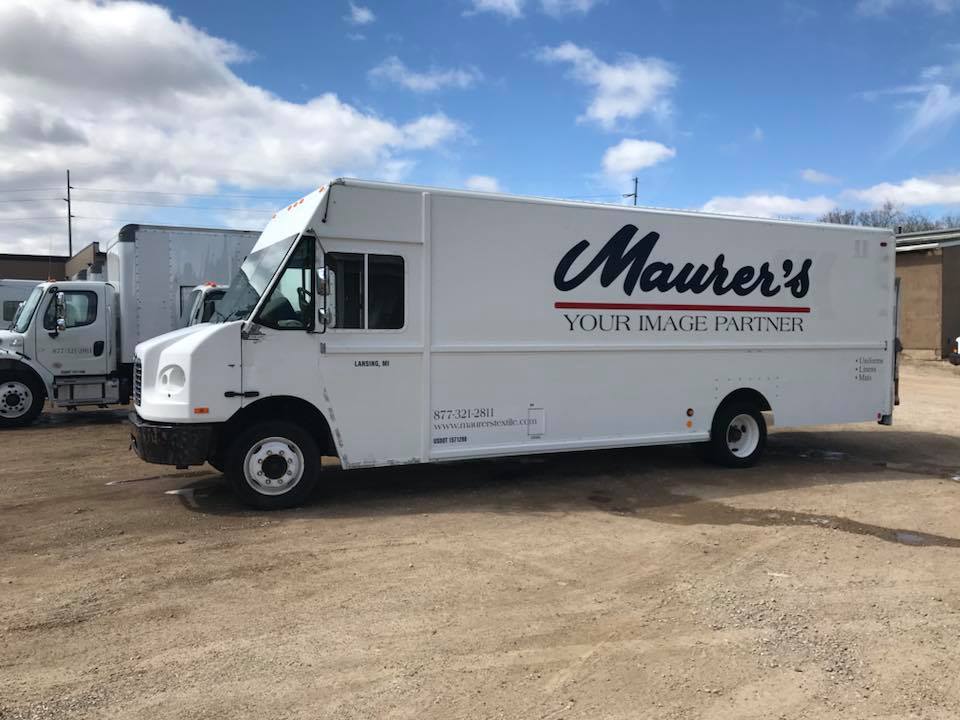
(301, 452)
(9, 382)
(725, 446)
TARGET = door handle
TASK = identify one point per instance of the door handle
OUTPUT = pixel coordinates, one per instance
(98, 348)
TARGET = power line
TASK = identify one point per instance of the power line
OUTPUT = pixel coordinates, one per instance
(23, 200)
(198, 208)
(187, 194)
(43, 189)
(32, 217)
(636, 183)
(69, 216)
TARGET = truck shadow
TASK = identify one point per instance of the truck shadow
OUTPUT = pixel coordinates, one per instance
(670, 485)
(55, 418)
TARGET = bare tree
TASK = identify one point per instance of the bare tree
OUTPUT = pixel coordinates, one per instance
(892, 216)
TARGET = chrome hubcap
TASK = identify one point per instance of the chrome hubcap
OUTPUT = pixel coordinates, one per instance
(15, 399)
(743, 435)
(273, 466)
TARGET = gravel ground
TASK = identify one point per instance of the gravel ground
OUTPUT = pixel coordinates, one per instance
(624, 584)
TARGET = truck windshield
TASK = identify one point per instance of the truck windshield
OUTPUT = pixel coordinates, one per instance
(248, 285)
(21, 321)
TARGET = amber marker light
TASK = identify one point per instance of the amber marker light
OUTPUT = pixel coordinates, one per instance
(201, 410)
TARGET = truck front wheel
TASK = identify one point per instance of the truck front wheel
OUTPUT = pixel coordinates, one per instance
(21, 399)
(273, 465)
(738, 435)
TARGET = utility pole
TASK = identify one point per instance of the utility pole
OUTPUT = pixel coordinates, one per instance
(69, 217)
(636, 182)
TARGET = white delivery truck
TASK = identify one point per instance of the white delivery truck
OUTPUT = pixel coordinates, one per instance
(12, 294)
(390, 324)
(72, 341)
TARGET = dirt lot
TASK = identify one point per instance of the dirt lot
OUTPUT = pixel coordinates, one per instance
(626, 584)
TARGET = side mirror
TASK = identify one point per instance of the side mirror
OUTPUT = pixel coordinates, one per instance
(60, 313)
(323, 316)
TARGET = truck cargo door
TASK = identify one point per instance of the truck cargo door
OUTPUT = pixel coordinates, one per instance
(896, 342)
(78, 346)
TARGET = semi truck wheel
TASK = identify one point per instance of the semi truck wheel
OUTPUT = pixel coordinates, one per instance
(273, 465)
(21, 399)
(738, 435)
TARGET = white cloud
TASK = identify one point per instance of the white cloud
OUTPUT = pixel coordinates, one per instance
(914, 192)
(818, 178)
(933, 103)
(80, 88)
(483, 183)
(359, 15)
(757, 135)
(940, 107)
(623, 90)
(558, 8)
(875, 8)
(429, 131)
(512, 9)
(395, 71)
(769, 206)
(629, 156)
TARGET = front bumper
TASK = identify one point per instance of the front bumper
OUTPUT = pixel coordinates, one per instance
(170, 444)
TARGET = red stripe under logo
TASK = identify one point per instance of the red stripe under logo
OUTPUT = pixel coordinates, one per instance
(662, 306)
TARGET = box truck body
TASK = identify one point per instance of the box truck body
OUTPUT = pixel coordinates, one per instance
(398, 324)
(73, 341)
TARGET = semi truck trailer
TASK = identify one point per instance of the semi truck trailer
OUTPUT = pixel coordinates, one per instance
(390, 324)
(72, 342)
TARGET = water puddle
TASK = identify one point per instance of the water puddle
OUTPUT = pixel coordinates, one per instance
(664, 507)
(168, 476)
(190, 494)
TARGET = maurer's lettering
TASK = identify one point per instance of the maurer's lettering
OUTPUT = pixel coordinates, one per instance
(616, 258)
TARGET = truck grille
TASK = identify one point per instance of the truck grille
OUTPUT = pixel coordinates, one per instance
(137, 380)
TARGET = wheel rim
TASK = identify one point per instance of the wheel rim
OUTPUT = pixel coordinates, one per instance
(273, 466)
(15, 399)
(743, 435)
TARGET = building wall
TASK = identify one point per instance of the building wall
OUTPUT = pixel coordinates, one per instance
(87, 263)
(32, 267)
(921, 304)
(950, 298)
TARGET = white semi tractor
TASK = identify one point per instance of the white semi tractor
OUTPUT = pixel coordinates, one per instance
(72, 342)
(390, 324)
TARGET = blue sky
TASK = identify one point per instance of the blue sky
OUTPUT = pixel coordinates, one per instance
(766, 107)
(796, 71)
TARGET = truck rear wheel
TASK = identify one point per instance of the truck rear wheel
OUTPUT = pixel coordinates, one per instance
(273, 465)
(738, 435)
(21, 399)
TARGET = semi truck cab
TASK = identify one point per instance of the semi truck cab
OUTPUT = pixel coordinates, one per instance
(202, 303)
(62, 345)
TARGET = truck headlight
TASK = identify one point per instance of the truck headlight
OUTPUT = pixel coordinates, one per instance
(171, 379)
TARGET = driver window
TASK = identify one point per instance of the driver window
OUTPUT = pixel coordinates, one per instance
(289, 306)
(80, 309)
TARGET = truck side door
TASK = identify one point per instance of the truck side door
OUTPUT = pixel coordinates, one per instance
(80, 347)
